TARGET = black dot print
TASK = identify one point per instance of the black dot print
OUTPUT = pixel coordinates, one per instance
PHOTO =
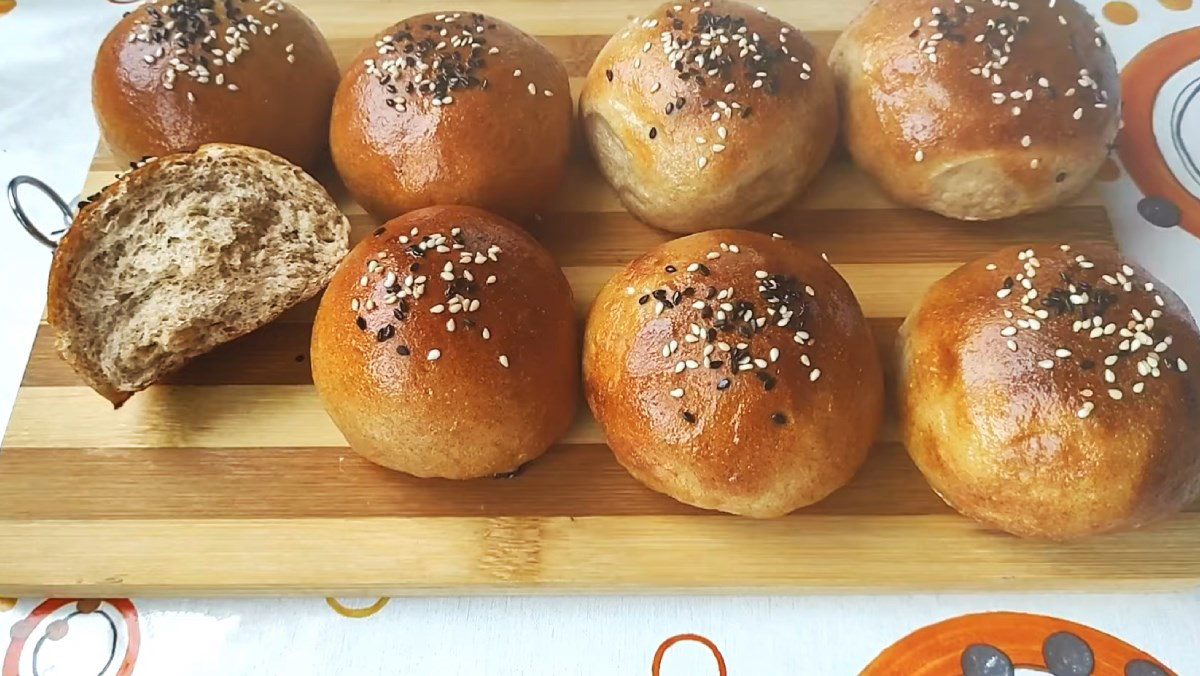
(1159, 212)
(985, 660)
(1143, 668)
(1068, 655)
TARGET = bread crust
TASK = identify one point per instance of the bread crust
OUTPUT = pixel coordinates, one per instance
(677, 431)
(495, 146)
(937, 136)
(774, 141)
(478, 406)
(90, 222)
(1012, 437)
(269, 97)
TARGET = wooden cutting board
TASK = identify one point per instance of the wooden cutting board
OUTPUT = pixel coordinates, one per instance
(229, 479)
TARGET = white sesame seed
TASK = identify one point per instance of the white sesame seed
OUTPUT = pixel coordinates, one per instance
(504, 360)
(434, 354)
(677, 393)
(1046, 363)
(1116, 394)
(1181, 365)
(919, 156)
(1086, 409)
(1026, 141)
(1003, 293)
(814, 374)
(1011, 345)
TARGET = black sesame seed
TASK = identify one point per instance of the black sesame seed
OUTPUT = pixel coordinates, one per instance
(379, 231)
(670, 269)
(1062, 176)
(403, 351)
(779, 418)
(644, 299)
(362, 323)
(653, 132)
(609, 74)
(385, 332)
(688, 416)
(723, 384)
(715, 364)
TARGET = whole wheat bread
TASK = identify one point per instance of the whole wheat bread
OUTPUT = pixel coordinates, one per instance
(183, 254)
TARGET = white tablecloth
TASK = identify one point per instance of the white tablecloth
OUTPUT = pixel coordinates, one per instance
(46, 129)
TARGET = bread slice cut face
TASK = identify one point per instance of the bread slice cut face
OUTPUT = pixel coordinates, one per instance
(184, 253)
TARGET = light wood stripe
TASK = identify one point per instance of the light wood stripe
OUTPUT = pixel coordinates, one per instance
(396, 556)
(219, 416)
(300, 483)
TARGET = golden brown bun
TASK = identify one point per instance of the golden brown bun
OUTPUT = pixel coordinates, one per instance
(650, 124)
(940, 137)
(481, 398)
(787, 431)
(1045, 443)
(147, 107)
(490, 141)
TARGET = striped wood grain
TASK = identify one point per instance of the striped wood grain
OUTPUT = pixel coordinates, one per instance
(228, 479)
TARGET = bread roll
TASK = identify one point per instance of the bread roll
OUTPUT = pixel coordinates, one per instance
(708, 114)
(977, 110)
(173, 75)
(447, 346)
(168, 262)
(734, 371)
(1052, 392)
(452, 108)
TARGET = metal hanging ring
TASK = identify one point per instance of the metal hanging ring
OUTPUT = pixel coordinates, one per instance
(14, 203)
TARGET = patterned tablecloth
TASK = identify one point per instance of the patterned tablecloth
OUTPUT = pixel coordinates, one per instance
(1153, 192)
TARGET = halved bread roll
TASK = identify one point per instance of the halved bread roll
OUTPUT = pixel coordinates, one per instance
(185, 253)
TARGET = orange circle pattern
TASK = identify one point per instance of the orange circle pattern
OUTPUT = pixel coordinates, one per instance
(939, 648)
(7, 6)
(656, 667)
(1120, 13)
(1176, 5)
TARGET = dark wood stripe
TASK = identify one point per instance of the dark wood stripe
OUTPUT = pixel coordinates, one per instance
(570, 480)
(276, 354)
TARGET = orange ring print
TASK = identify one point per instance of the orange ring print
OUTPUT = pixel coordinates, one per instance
(656, 666)
(1167, 203)
(997, 644)
(50, 621)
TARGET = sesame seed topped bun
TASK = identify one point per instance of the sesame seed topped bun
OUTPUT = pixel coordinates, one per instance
(734, 371)
(452, 108)
(1053, 392)
(708, 114)
(175, 74)
(446, 346)
(977, 109)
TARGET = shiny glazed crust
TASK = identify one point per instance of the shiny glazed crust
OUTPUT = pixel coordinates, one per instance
(493, 134)
(275, 94)
(929, 110)
(650, 123)
(783, 432)
(439, 387)
(1039, 424)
